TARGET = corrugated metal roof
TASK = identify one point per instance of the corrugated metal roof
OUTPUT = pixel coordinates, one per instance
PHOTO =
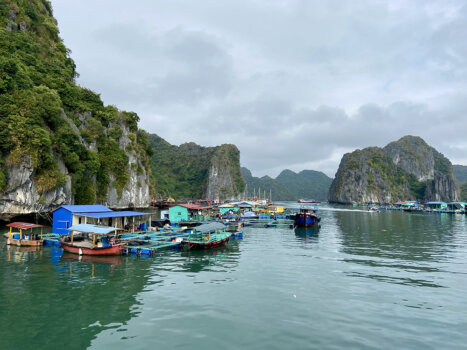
(95, 208)
(114, 214)
(24, 225)
(87, 228)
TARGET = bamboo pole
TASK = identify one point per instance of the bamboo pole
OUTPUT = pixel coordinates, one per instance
(10, 231)
(41, 232)
(93, 240)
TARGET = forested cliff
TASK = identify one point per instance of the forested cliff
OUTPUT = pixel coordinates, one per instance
(58, 142)
(406, 169)
(192, 171)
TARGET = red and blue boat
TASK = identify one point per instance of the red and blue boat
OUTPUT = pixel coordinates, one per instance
(306, 218)
(86, 239)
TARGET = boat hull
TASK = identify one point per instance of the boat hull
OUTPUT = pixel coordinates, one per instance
(22, 242)
(305, 220)
(113, 250)
(204, 245)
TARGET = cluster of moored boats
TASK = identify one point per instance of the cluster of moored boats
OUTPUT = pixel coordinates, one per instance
(97, 230)
(429, 207)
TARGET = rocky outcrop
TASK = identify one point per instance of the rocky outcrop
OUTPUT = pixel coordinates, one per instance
(136, 193)
(21, 196)
(225, 180)
(403, 170)
(414, 156)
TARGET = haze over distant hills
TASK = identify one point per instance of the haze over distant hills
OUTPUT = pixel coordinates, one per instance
(289, 185)
(460, 172)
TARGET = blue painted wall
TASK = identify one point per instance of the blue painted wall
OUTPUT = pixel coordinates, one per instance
(61, 218)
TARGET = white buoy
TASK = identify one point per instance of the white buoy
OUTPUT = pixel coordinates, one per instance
(80, 252)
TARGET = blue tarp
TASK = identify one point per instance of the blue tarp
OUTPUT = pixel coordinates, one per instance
(114, 214)
(87, 228)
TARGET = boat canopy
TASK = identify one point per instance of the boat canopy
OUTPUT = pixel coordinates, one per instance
(113, 214)
(88, 228)
(214, 226)
(24, 225)
(249, 214)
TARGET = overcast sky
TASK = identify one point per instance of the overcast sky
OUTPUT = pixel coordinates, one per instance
(293, 83)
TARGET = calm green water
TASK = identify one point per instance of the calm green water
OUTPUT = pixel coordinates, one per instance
(389, 280)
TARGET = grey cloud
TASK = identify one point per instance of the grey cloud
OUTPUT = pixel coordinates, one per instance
(293, 84)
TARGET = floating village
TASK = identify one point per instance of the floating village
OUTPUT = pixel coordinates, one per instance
(96, 230)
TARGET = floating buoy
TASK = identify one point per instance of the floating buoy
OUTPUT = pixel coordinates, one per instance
(80, 252)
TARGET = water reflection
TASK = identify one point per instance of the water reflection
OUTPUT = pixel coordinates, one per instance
(395, 247)
(108, 260)
(22, 254)
(307, 234)
(395, 235)
(84, 297)
(210, 259)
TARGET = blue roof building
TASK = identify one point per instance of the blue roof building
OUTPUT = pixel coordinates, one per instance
(69, 215)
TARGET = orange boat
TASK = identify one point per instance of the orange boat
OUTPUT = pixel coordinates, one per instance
(86, 239)
(20, 238)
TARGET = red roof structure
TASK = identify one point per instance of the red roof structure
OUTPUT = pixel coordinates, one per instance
(24, 225)
(193, 206)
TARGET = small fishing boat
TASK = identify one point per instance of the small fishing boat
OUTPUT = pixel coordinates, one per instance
(303, 200)
(305, 218)
(86, 239)
(207, 236)
(20, 238)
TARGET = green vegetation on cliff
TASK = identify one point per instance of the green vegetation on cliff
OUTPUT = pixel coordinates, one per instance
(183, 171)
(46, 116)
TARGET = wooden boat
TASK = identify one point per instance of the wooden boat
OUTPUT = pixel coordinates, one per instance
(86, 239)
(20, 238)
(206, 236)
(305, 218)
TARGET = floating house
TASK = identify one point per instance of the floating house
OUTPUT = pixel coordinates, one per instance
(437, 205)
(275, 209)
(185, 212)
(70, 215)
(457, 206)
(225, 208)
